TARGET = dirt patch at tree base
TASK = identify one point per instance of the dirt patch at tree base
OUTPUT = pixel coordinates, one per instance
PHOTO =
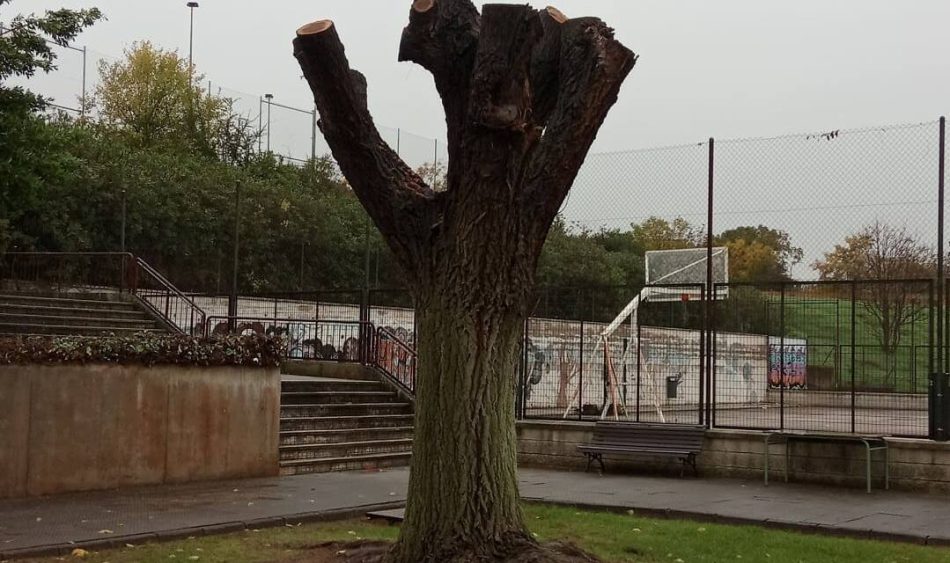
(379, 552)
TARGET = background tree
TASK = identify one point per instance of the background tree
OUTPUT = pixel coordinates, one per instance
(155, 98)
(657, 233)
(24, 50)
(759, 253)
(28, 156)
(524, 94)
(884, 252)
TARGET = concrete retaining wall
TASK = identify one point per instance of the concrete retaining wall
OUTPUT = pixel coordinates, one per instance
(75, 428)
(914, 464)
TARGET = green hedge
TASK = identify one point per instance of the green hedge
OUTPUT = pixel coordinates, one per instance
(144, 349)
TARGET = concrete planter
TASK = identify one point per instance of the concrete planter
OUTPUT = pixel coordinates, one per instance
(100, 426)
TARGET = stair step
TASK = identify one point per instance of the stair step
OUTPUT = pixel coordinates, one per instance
(344, 449)
(307, 437)
(69, 330)
(340, 385)
(60, 320)
(336, 397)
(290, 424)
(52, 310)
(355, 409)
(69, 302)
(365, 462)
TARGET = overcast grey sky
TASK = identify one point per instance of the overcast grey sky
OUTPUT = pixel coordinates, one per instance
(724, 68)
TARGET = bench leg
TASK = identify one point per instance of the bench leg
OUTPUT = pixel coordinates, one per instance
(887, 470)
(590, 458)
(600, 460)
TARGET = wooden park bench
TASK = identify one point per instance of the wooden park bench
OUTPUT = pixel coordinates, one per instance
(683, 442)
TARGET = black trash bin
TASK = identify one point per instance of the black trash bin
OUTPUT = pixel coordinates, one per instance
(672, 382)
(939, 407)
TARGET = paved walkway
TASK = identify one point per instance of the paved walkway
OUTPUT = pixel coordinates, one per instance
(56, 524)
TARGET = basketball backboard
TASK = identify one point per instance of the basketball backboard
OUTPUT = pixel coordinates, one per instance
(685, 268)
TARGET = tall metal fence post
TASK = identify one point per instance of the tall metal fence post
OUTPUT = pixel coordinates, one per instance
(939, 382)
(702, 362)
(781, 359)
(580, 379)
(854, 324)
(710, 288)
(365, 328)
(233, 295)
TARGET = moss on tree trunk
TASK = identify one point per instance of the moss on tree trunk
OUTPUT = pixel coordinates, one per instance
(463, 492)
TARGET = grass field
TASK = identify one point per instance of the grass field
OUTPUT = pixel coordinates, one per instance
(827, 325)
(615, 538)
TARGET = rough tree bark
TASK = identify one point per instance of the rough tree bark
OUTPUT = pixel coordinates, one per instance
(524, 94)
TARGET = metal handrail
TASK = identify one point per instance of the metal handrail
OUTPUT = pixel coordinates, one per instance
(383, 333)
(195, 313)
(168, 285)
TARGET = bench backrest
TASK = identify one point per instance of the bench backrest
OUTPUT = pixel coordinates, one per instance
(660, 436)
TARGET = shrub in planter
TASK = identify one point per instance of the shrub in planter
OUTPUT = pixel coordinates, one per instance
(145, 349)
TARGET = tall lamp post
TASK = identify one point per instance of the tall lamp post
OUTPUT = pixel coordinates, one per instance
(191, 41)
(269, 98)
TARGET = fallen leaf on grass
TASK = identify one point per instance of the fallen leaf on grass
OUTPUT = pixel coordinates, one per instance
(79, 553)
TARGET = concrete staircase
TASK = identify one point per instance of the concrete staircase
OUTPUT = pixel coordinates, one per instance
(82, 315)
(342, 424)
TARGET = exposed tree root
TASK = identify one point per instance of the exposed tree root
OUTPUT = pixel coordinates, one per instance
(381, 552)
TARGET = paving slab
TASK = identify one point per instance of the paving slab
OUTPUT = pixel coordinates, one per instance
(192, 509)
(56, 524)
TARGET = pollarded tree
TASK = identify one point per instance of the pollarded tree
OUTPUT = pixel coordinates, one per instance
(524, 94)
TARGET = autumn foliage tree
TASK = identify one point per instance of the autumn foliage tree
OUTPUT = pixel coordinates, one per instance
(759, 253)
(155, 99)
(884, 253)
(524, 93)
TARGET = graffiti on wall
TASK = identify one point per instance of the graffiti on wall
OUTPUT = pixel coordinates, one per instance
(395, 357)
(304, 340)
(795, 363)
(662, 370)
(741, 368)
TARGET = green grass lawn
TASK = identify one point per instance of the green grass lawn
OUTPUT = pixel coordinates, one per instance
(826, 323)
(615, 538)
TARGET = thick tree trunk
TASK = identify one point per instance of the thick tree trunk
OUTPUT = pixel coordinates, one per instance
(524, 94)
(463, 493)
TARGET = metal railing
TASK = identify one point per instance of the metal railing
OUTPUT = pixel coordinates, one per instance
(165, 300)
(67, 272)
(78, 273)
(304, 339)
(395, 359)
